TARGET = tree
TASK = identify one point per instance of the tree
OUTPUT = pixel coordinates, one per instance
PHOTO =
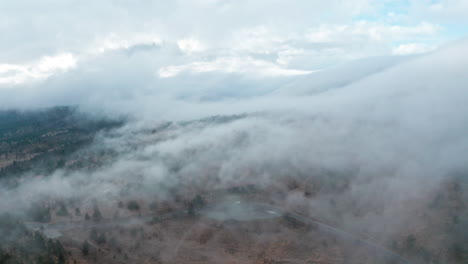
(40, 213)
(410, 242)
(4, 256)
(85, 248)
(101, 239)
(133, 205)
(97, 216)
(59, 252)
(191, 209)
(197, 203)
(94, 234)
(113, 243)
(98, 237)
(62, 210)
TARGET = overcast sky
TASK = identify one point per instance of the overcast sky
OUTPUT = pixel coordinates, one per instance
(56, 52)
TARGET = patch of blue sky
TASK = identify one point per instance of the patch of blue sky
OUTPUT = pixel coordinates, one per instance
(396, 7)
(382, 10)
(455, 30)
(398, 12)
(448, 34)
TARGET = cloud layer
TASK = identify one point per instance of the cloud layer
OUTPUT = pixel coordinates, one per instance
(85, 50)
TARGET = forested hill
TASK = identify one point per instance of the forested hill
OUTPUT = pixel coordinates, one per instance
(44, 137)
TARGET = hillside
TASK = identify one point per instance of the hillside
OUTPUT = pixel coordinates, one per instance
(191, 221)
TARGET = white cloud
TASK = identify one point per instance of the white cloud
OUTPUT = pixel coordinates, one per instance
(365, 31)
(286, 55)
(115, 41)
(190, 45)
(412, 48)
(259, 39)
(38, 70)
(231, 65)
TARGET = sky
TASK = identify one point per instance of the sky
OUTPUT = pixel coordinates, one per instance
(83, 52)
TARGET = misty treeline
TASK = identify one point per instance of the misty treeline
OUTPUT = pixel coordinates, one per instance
(20, 245)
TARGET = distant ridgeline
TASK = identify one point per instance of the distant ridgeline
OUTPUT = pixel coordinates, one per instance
(44, 138)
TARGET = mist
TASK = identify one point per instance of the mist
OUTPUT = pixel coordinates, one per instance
(364, 141)
(397, 133)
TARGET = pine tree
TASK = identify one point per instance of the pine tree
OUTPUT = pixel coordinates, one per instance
(85, 248)
(97, 216)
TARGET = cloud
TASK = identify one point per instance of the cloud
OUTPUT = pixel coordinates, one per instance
(11, 74)
(412, 48)
(232, 65)
(364, 31)
(190, 45)
(205, 36)
(113, 42)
